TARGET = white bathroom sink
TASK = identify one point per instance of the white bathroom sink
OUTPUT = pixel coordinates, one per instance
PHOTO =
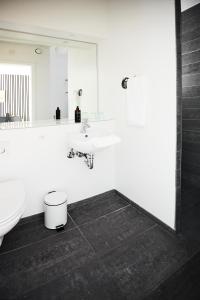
(93, 141)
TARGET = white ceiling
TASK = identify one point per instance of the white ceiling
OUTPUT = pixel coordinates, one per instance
(185, 4)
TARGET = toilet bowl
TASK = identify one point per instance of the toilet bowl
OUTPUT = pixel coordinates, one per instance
(12, 204)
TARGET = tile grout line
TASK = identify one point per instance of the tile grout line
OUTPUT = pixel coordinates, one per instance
(191, 74)
(191, 108)
(83, 236)
(191, 86)
(188, 98)
(36, 242)
(190, 52)
(193, 63)
(114, 211)
(187, 42)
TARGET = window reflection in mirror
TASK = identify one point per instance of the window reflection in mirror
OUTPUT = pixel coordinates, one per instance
(39, 74)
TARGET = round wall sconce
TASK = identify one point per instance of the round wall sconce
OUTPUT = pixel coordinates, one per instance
(38, 51)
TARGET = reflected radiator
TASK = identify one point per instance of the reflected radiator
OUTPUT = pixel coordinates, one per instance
(17, 96)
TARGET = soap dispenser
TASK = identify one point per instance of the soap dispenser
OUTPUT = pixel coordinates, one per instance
(77, 115)
(58, 113)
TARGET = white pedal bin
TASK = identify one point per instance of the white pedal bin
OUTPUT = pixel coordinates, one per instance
(55, 210)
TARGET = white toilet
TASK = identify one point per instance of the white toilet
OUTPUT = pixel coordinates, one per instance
(12, 204)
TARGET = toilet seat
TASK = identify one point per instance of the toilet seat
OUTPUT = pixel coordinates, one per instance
(11, 202)
(11, 217)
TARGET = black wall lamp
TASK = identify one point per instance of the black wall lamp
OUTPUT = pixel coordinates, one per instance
(124, 82)
(80, 92)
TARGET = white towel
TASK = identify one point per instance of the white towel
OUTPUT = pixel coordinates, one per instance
(136, 98)
(2, 96)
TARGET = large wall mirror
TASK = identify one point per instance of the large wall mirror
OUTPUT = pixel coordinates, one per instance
(40, 73)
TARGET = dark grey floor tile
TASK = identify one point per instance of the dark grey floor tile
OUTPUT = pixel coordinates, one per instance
(28, 268)
(37, 217)
(97, 207)
(29, 232)
(182, 285)
(90, 282)
(112, 230)
(143, 262)
(133, 255)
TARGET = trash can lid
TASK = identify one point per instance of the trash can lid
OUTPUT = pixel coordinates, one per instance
(55, 198)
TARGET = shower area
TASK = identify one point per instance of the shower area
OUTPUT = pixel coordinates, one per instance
(188, 139)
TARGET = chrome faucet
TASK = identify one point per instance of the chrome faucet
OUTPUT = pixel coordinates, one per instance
(85, 126)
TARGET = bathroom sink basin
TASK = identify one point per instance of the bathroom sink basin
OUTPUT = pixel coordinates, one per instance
(93, 141)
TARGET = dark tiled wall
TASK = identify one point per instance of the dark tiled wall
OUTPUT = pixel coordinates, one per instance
(179, 115)
(190, 40)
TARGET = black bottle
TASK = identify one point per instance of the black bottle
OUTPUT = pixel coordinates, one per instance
(77, 115)
(58, 113)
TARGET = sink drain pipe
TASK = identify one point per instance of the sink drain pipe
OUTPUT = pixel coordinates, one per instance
(89, 160)
(89, 157)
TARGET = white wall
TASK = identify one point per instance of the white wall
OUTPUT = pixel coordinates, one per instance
(87, 17)
(38, 156)
(42, 162)
(142, 42)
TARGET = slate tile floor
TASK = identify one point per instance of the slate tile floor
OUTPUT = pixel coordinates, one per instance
(109, 250)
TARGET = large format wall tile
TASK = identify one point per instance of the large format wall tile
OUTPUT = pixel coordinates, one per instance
(191, 58)
(190, 121)
(191, 91)
(193, 45)
(191, 80)
(191, 69)
(191, 102)
(191, 113)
